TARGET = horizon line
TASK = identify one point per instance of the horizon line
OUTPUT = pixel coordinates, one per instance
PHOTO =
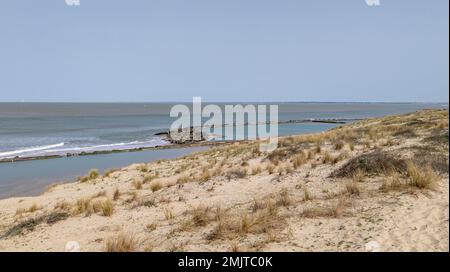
(225, 101)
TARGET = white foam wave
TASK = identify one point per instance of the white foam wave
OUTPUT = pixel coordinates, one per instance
(55, 149)
(28, 150)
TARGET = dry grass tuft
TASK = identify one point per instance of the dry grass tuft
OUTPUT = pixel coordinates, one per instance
(155, 186)
(168, 213)
(99, 194)
(358, 176)
(142, 168)
(318, 149)
(184, 179)
(298, 160)
(93, 174)
(121, 243)
(149, 178)
(63, 206)
(352, 147)
(33, 208)
(107, 207)
(352, 188)
(391, 182)
(258, 205)
(236, 173)
(339, 145)
(108, 172)
(234, 247)
(421, 177)
(151, 227)
(82, 205)
(116, 194)
(327, 158)
(256, 170)
(336, 210)
(283, 198)
(134, 197)
(137, 184)
(200, 216)
(270, 169)
(307, 195)
(205, 175)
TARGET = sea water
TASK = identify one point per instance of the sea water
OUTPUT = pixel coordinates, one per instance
(42, 129)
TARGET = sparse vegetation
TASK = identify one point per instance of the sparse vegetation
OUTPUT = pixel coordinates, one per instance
(33, 208)
(352, 147)
(155, 186)
(327, 158)
(31, 223)
(306, 194)
(336, 210)
(256, 170)
(283, 198)
(93, 174)
(149, 178)
(121, 243)
(236, 173)
(377, 162)
(391, 182)
(142, 168)
(352, 188)
(339, 145)
(270, 169)
(107, 207)
(168, 213)
(318, 149)
(303, 187)
(184, 179)
(358, 176)
(82, 205)
(116, 194)
(109, 172)
(422, 178)
(137, 184)
(151, 227)
(205, 175)
(298, 160)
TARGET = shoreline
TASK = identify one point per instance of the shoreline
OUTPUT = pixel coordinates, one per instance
(376, 182)
(161, 147)
(32, 178)
(173, 145)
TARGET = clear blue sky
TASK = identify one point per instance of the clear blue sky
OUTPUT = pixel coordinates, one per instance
(224, 50)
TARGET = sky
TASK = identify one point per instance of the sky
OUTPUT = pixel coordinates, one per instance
(224, 50)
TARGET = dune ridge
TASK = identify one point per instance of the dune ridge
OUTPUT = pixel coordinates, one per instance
(374, 185)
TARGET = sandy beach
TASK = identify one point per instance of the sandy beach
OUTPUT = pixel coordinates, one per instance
(378, 184)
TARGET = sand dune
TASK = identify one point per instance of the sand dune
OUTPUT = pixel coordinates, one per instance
(374, 185)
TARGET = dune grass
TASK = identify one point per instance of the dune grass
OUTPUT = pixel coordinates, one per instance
(121, 243)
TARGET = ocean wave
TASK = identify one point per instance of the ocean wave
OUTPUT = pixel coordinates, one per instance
(55, 149)
(29, 149)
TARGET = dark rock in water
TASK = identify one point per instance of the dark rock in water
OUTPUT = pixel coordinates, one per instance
(328, 121)
(187, 135)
